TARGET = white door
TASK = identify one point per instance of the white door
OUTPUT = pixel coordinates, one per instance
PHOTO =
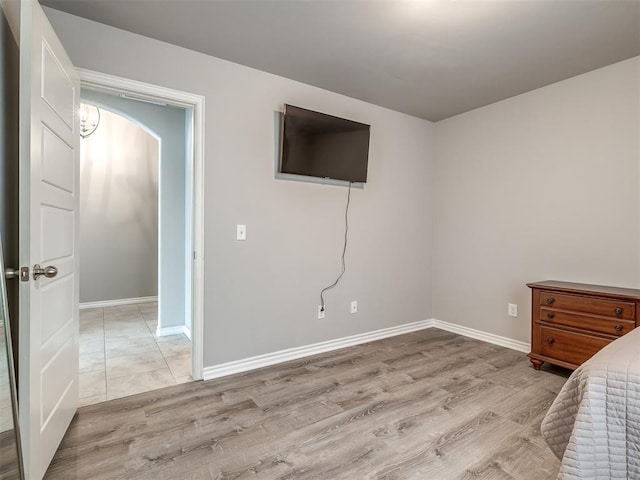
(48, 307)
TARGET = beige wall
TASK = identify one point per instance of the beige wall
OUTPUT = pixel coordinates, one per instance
(539, 186)
(118, 211)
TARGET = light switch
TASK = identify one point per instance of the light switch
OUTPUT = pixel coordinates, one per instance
(241, 232)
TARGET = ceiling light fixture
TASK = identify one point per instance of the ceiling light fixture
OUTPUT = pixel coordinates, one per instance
(89, 119)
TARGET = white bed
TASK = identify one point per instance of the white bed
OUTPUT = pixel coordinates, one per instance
(593, 426)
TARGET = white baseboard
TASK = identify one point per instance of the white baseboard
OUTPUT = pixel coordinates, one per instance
(484, 336)
(265, 360)
(187, 332)
(115, 303)
(268, 359)
(177, 330)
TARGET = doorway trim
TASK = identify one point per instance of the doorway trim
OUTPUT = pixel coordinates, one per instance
(141, 90)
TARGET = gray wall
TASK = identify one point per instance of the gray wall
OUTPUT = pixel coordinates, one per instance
(9, 88)
(540, 186)
(543, 185)
(118, 211)
(169, 124)
(261, 295)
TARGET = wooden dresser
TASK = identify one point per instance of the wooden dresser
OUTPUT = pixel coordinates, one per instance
(570, 322)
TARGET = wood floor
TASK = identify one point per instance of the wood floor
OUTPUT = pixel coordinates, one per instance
(425, 405)
(8, 456)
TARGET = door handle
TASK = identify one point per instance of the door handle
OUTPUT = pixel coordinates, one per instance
(11, 273)
(21, 273)
(48, 272)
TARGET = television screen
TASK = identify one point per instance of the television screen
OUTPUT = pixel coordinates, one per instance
(320, 145)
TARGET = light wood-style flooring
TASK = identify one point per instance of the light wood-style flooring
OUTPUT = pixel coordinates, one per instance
(425, 405)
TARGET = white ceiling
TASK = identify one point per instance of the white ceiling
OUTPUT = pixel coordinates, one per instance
(428, 58)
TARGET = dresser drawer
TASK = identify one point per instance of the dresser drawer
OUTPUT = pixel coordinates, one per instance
(592, 305)
(610, 326)
(571, 322)
(568, 346)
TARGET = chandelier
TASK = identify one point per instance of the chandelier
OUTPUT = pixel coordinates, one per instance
(89, 119)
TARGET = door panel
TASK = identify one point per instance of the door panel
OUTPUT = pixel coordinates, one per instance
(57, 166)
(54, 385)
(58, 89)
(56, 297)
(57, 230)
(49, 165)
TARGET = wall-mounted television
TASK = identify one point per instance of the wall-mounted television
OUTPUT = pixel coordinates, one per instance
(315, 144)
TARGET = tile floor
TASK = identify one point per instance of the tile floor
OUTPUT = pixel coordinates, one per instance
(121, 355)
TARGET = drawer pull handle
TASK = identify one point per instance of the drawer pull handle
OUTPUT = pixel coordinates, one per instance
(618, 310)
(550, 315)
(550, 340)
(550, 300)
(618, 328)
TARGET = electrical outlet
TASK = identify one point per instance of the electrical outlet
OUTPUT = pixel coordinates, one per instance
(354, 306)
(241, 232)
(513, 310)
(321, 312)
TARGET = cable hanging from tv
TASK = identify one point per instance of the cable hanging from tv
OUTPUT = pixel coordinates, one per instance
(344, 250)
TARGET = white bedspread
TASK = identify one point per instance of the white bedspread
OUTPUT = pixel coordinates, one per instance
(593, 426)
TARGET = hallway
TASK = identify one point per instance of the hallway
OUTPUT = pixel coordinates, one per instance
(121, 355)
